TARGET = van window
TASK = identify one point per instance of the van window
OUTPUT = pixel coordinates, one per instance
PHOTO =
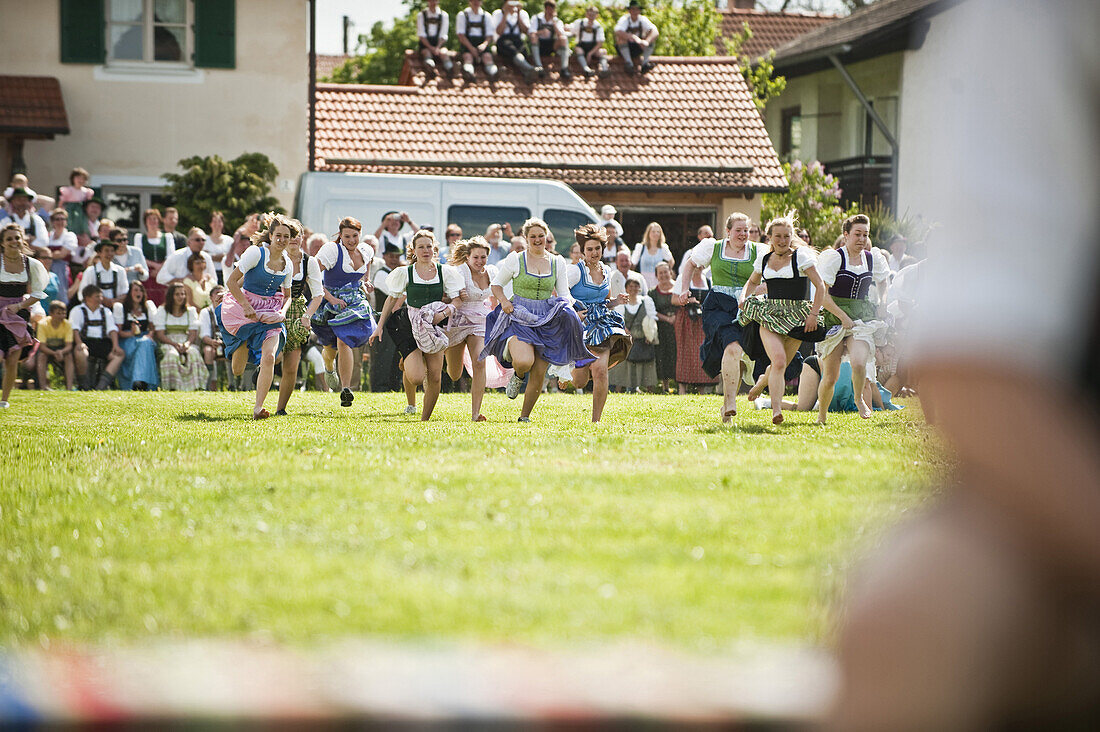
(476, 219)
(562, 223)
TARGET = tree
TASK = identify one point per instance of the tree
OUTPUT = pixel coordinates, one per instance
(759, 73)
(688, 28)
(236, 188)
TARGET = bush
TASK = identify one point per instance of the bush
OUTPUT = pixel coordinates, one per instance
(885, 225)
(236, 188)
(815, 196)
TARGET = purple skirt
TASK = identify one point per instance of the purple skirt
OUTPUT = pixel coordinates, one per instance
(551, 326)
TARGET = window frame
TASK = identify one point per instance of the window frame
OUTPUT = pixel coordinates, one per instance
(149, 26)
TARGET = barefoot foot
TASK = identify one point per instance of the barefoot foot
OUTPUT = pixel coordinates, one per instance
(777, 418)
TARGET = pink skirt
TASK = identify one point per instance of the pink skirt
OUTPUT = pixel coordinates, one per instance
(233, 318)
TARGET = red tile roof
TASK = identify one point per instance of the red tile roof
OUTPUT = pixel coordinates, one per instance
(32, 105)
(690, 124)
(769, 30)
(326, 64)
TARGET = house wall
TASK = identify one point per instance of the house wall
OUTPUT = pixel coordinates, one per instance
(833, 120)
(137, 129)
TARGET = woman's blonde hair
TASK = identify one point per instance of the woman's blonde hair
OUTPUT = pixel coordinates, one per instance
(268, 222)
(23, 246)
(737, 216)
(649, 227)
(410, 251)
(460, 252)
(531, 223)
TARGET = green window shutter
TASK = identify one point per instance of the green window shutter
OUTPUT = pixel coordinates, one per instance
(83, 32)
(216, 34)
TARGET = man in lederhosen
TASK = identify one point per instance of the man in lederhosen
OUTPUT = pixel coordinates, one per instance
(635, 37)
(590, 39)
(548, 36)
(432, 26)
(475, 38)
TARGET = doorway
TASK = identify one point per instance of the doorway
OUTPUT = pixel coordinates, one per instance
(679, 224)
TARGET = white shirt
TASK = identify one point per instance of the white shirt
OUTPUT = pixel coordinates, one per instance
(510, 267)
(169, 243)
(208, 323)
(444, 24)
(161, 319)
(804, 256)
(66, 241)
(584, 34)
(828, 264)
(327, 256)
(36, 271)
(115, 273)
(519, 20)
(398, 280)
(120, 314)
(618, 283)
(469, 14)
(624, 22)
(80, 312)
(312, 274)
(175, 265)
(541, 23)
(251, 258)
(643, 301)
(214, 248)
(575, 273)
(32, 221)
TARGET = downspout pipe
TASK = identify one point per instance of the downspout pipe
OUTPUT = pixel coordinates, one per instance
(312, 101)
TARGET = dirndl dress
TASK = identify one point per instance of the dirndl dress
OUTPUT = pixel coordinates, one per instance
(15, 332)
(264, 292)
(352, 324)
(603, 327)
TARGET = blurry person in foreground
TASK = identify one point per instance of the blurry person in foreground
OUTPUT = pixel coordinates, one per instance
(984, 612)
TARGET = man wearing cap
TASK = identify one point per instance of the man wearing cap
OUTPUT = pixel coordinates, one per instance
(607, 213)
(635, 37)
(548, 36)
(19, 212)
(106, 274)
(384, 373)
(175, 267)
(388, 232)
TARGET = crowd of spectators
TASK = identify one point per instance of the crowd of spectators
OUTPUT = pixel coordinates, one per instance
(135, 310)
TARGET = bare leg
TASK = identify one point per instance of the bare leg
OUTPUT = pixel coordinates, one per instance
(859, 352)
(534, 384)
(477, 383)
(776, 348)
(582, 375)
(344, 363)
(11, 366)
(80, 360)
(240, 360)
(267, 372)
(807, 388)
(731, 380)
(523, 356)
(830, 368)
(42, 362)
(454, 360)
(599, 383)
(758, 388)
(433, 367)
(291, 359)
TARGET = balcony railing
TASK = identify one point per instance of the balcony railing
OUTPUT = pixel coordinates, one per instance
(864, 179)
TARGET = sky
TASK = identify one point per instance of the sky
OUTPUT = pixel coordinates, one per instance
(365, 13)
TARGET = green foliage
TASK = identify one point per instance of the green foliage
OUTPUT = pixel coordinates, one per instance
(885, 225)
(145, 517)
(815, 196)
(236, 188)
(687, 27)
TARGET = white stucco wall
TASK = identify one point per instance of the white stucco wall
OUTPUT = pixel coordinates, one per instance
(140, 129)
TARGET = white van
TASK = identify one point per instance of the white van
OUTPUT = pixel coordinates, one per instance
(438, 200)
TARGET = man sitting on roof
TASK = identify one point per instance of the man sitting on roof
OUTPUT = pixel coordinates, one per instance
(511, 24)
(432, 25)
(475, 36)
(635, 38)
(590, 40)
(548, 36)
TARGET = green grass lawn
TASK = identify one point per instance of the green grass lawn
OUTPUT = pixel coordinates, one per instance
(125, 517)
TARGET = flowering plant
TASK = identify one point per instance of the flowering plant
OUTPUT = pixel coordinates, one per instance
(815, 195)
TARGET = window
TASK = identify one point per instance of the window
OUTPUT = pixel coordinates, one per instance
(476, 219)
(563, 223)
(125, 204)
(790, 139)
(149, 31)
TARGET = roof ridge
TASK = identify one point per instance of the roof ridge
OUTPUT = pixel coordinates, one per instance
(338, 87)
(780, 13)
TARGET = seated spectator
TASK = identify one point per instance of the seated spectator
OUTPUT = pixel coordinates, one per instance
(218, 245)
(650, 251)
(210, 335)
(95, 341)
(20, 211)
(39, 203)
(590, 39)
(177, 331)
(54, 290)
(635, 38)
(177, 266)
(432, 26)
(498, 244)
(621, 275)
(548, 37)
(55, 345)
(108, 277)
(62, 245)
(130, 258)
(134, 317)
(199, 281)
(475, 31)
(898, 259)
(512, 24)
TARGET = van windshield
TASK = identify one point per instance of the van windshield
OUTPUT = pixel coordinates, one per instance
(476, 219)
(563, 223)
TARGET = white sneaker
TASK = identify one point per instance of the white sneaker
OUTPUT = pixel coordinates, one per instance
(515, 385)
(410, 409)
(4, 405)
(333, 380)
